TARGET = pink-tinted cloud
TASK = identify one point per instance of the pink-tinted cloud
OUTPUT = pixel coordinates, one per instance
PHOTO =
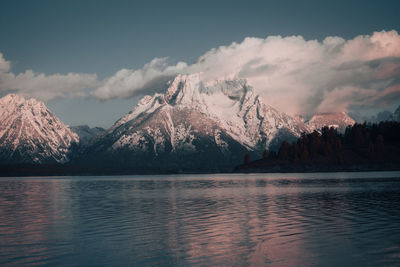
(125, 83)
(42, 86)
(4, 64)
(292, 74)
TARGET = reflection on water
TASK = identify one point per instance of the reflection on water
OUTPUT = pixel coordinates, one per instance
(277, 219)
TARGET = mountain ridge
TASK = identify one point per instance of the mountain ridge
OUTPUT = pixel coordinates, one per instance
(338, 120)
(29, 132)
(193, 123)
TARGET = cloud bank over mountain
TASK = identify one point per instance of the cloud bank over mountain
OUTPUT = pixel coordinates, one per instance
(42, 86)
(151, 78)
(295, 75)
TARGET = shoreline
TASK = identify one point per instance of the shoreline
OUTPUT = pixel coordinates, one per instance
(62, 171)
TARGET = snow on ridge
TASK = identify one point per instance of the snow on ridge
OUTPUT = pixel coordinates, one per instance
(231, 104)
(29, 128)
(339, 120)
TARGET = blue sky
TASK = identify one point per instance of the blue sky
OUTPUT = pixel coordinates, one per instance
(102, 37)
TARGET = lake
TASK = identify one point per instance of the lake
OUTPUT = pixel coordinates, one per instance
(321, 219)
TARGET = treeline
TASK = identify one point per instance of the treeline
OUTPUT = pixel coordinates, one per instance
(362, 145)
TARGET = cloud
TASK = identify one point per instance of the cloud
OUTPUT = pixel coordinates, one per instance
(127, 83)
(295, 75)
(305, 77)
(44, 87)
(4, 65)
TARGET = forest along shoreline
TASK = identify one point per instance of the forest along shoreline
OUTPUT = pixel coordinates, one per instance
(363, 147)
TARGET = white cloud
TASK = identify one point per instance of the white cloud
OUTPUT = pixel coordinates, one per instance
(295, 75)
(299, 76)
(151, 78)
(4, 65)
(44, 87)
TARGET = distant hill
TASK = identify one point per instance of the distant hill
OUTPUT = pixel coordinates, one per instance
(87, 134)
(379, 117)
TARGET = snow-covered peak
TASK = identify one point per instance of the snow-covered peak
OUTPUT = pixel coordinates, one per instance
(338, 120)
(230, 103)
(215, 98)
(9, 101)
(12, 98)
(182, 85)
(190, 88)
(32, 132)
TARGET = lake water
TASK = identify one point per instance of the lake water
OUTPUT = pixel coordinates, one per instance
(330, 219)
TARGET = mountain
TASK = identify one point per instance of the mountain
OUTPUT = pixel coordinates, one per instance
(195, 124)
(337, 120)
(231, 104)
(87, 134)
(396, 114)
(381, 116)
(30, 133)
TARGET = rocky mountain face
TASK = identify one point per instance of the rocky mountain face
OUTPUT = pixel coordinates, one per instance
(196, 124)
(30, 133)
(337, 120)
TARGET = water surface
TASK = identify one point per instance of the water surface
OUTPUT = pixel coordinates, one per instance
(329, 219)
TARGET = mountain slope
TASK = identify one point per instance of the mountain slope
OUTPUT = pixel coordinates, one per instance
(30, 133)
(196, 124)
(232, 104)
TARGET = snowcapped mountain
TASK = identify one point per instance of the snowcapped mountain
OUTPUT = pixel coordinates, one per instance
(337, 120)
(30, 133)
(231, 104)
(196, 122)
(195, 125)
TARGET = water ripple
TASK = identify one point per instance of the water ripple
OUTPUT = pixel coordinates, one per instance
(341, 219)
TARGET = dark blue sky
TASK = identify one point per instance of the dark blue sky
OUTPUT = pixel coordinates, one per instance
(104, 36)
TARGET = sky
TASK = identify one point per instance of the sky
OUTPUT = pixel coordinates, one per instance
(91, 61)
